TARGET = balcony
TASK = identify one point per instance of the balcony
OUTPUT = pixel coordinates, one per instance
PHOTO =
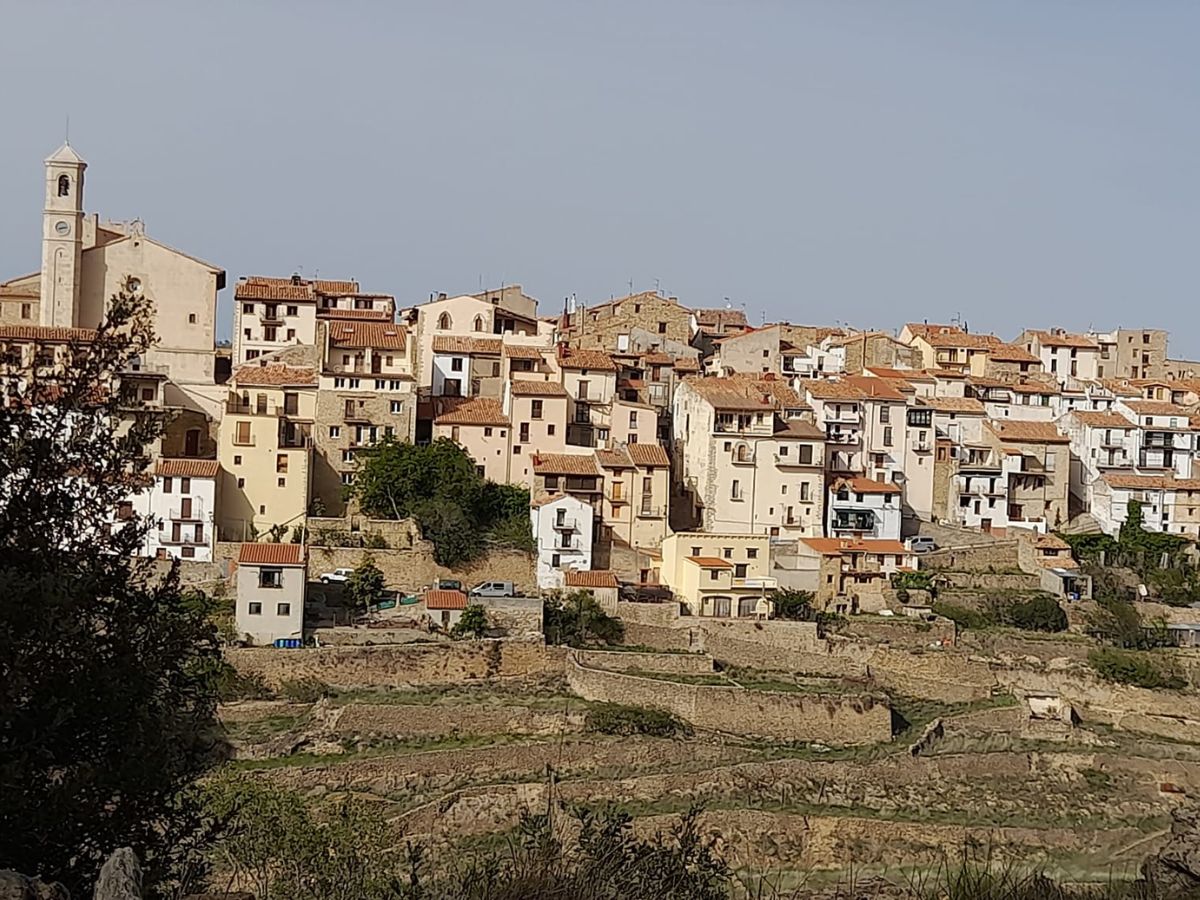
(195, 514)
(761, 584)
(794, 461)
(651, 512)
(266, 408)
(293, 435)
(568, 544)
(616, 496)
(842, 416)
(270, 318)
(138, 368)
(921, 446)
(182, 540)
(566, 523)
(356, 416)
(842, 437)
(742, 456)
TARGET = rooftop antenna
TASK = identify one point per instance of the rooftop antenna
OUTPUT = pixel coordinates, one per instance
(728, 305)
(67, 131)
(656, 288)
(630, 287)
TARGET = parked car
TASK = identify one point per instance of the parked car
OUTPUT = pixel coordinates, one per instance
(922, 544)
(493, 589)
(449, 584)
(337, 576)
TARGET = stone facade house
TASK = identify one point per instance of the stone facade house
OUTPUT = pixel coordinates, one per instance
(609, 326)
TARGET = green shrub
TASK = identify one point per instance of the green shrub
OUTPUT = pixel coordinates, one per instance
(472, 623)
(304, 690)
(234, 685)
(577, 620)
(1139, 669)
(963, 617)
(796, 606)
(1040, 613)
(616, 718)
(373, 540)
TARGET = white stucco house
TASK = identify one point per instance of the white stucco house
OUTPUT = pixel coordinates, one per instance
(271, 582)
(563, 531)
(182, 501)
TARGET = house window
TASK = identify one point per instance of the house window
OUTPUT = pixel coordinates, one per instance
(26, 310)
(191, 318)
(241, 482)
(887, 435)
(185, 485)
(281, 482)
(237, 460)
(270, 577)
(662, 327)
(283, 609)
(806, 453)
(125, 510)
(555, 561)
(456, 364)
(536, 411)
(739, 570)
(516, 450)
(167, 485)
(454, 433)
(487, 431)
(291, 334)
(335, 432)
(524, 438)
(550, 429)
(735, 491)
(478, 326)
(255, 609)
(885, 414)
(292, 311)
(247, 309)
(632, 419)
(242, 436)
(551, 482)
(281, 462)
(805, 487)
(712, 575)
(444, 322)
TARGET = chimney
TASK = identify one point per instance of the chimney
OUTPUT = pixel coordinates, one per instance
(295, 278)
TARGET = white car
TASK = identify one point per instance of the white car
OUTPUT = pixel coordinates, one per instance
(337, 576)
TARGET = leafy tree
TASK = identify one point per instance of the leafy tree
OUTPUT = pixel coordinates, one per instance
(515, 532)
(577, 620)
(499, 502)
(397, 479)
(1040, 613)
(108, 671)
(794, 605)
(472, 623)
(365, 585)
(1120, 624)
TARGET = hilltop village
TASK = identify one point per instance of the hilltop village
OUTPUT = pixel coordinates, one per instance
(815, 542)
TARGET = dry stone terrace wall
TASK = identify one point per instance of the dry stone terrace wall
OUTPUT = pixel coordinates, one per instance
(786, 716)
(995, 556)
(666, 663)
(900, 631)
(401, 665)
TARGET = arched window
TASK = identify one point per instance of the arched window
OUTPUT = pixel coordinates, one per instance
(64, 186)
(479, 323)
(444, 322)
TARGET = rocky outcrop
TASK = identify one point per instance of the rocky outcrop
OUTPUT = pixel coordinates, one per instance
(120, 878)
(1175, 870)
(15, 886)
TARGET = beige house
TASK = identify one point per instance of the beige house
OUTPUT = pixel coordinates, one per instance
(538, 411)
(1063, 355)
(271, 583)
(86, 261)
(636, 494)
(506, 314)
(480, 427)
(875, 348)
(748, 458)
(1039, 475)
(719, 575)
(367, 393)
(1131, 353)
(265, 449)
(590, 379)
(849, 575)
(956, 350)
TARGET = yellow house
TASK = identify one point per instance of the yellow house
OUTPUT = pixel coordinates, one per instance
(265, 448)
(720, 575)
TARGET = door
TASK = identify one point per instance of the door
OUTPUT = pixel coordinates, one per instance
(746, 606)
(185, 508)
(985, 525)
(191, 442)
(721, 607)
(376, 364)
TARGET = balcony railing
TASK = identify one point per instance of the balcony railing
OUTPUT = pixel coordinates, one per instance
(652, 512)
(565, 524)
(848, 416)
(195, 514)
(766, 584)
(843, 437)
(183, 540)
(238, 408)
(794, 461)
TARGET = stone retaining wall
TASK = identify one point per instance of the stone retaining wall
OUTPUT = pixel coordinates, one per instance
(628, 661)
(785, 716)
(401, 665)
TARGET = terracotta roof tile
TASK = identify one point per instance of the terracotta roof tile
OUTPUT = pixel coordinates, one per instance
(590, 579)
(720, 316)
(445, 600)
(1029, 432)
(731, 393)
(875, 388)
(469, 411)
(565, 464)
(1101, 419)
(614, 459)
(1156, 408)
(47, 334)
(799, 428)
(964, 340)
(453, 343)
(687, 364)
(523, 351)
(187, 468)
(710, 562)
(1034, 387)
(924, 329)
(1011, 353)
(1129, 481)
(522, 387)
(1064, 339)
(963, 405)
(865, 486)
(574, 358)
(834, 390)
(366, 315)
(275, 375)
(1050, 542)
(376, 335)
(785, 397)
(271, 554)
(274, 289)
(546, 499)
(658, 359)
(340, 288)
(644, 455)
(912, 375)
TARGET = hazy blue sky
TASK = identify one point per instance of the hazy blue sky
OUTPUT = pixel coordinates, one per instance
(1020, 163)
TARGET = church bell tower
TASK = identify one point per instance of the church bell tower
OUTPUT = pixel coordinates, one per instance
(62, 238)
